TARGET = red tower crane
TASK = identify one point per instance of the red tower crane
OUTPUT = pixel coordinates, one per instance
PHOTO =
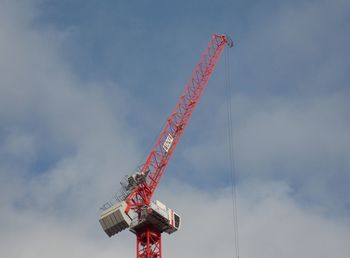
(134, 208)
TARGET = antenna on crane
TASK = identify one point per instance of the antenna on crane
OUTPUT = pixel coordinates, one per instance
(133, 208)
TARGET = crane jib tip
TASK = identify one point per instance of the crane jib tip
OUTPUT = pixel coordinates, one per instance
(228, 40)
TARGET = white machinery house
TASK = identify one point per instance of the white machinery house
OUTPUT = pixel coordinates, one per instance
(156, 215)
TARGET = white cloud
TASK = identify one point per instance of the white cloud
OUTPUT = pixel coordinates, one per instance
(271, 224)
(64, 146)
(64, 143)
(294, 139)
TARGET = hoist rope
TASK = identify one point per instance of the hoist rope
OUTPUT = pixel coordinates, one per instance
(232, 165)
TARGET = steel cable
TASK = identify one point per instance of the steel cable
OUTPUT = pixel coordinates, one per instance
(232, 165)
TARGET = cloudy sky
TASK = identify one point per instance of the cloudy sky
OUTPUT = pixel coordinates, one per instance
(86, 85)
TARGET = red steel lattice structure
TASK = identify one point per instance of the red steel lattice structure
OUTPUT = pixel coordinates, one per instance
(149, 239)
(149, 244)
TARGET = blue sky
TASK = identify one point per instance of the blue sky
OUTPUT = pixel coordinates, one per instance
(86, 85)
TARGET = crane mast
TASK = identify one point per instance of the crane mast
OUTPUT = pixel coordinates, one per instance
(153, 218)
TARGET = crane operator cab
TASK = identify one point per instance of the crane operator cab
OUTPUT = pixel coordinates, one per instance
(157, 215)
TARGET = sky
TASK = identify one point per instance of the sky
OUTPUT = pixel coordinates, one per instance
(85, 87)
